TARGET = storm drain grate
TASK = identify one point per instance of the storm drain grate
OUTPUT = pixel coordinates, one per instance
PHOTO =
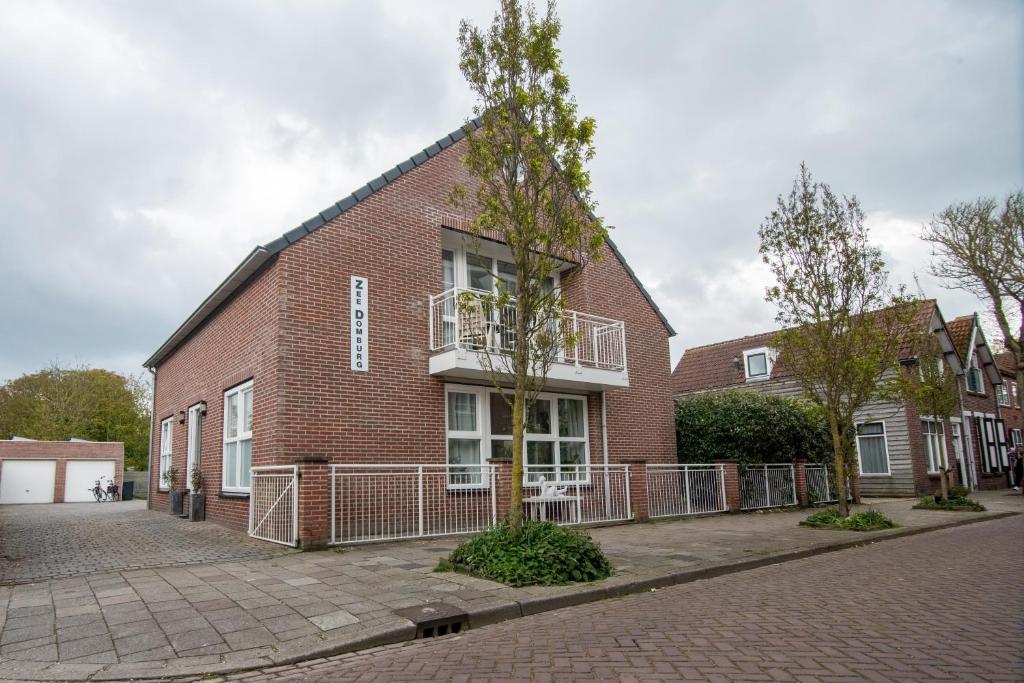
(435, 619)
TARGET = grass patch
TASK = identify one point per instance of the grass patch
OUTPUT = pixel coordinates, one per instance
(542, 553)
(829, 518)
(963, 504)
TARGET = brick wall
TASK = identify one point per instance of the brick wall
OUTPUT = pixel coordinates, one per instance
(981, 404)
(62, 451)
(288, 330)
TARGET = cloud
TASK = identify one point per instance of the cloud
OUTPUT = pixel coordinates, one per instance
(146, 147)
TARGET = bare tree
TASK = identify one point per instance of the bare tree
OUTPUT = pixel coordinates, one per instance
(844, 325)
(978, 247)
(533, 194)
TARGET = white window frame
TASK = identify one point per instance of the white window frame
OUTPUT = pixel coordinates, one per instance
(768, 362)
(166, 451)
(487, 439)
(885, 447)
(1003, 394)
(461, 251)
(972, 368)
(1014, 395)
(941, 434)
(242, 436)
(1016, 438)
(474, 435)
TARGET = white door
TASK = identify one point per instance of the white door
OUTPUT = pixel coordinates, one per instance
(27, 481)
(81, 476)
(195, 440)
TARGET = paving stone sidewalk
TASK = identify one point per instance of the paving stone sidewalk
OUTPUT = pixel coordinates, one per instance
(221, 617)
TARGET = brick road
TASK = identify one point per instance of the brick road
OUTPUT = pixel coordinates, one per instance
(946, 605)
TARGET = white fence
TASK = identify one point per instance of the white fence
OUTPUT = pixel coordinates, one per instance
(583, 494)
(766, 486)
(391, 502)
(821, 484)
(462, 318)
(274, 504)
(674, 490)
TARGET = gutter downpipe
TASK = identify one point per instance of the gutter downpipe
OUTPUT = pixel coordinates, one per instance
(152, 417)
(604, 451)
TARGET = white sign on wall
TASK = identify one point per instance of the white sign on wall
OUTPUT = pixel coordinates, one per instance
(360, 356)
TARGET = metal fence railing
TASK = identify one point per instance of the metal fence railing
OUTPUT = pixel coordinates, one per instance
(577, 494)
(674, 490)
(274, 504)
(766, 486)
(466, 319)
(821, 484)
(391, 502)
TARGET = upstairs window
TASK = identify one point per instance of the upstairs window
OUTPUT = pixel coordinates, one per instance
(975, 382)
(757, 364)
(1003, 393)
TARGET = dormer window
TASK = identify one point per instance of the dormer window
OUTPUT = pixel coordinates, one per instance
(757, 364)
(975, 382)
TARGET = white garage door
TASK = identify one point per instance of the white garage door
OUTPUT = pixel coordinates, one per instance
(27, 481)
(81, 478)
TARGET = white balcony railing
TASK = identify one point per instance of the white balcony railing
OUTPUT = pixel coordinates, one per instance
(463, 319)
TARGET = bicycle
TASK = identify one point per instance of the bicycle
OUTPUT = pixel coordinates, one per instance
(111, 492)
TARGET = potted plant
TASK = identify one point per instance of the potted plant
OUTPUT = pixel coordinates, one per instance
(197, 501)
(170, 477)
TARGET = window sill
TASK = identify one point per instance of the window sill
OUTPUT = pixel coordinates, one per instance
(879, 475)
(239, 495)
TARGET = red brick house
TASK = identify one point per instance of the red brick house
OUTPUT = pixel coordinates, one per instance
(338, 345)
(985, 435)
(1009, 398)
(899, 451)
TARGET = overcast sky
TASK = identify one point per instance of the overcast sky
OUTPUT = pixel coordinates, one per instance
(146, 147)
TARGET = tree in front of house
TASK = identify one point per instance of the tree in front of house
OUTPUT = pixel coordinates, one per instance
(843, 323)
(60, 403)
(978, 246)
(532, 193)
(931, 385)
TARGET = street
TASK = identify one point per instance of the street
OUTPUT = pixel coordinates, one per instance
(945, 605)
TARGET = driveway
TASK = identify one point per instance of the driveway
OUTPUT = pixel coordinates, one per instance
(39, 542)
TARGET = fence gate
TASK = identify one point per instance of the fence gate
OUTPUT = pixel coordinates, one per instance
(274, 504)
(766, 486)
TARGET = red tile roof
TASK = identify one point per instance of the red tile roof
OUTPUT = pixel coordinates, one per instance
(960, 332)
(713, 366)
(1005, 363)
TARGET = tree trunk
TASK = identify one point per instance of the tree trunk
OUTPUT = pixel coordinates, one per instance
(515, 511)
(839, 458)
(944, 482)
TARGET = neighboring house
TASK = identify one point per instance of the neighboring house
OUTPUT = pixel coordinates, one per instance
(341, 343)
(983, 429)
(1009, 399)
(899, 451)
(57, 471)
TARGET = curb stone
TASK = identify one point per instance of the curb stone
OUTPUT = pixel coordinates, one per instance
(384, 634)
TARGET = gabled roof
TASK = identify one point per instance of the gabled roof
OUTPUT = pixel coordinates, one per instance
(714, 366)
(263, 253)
(960, 330)
(1006, 364)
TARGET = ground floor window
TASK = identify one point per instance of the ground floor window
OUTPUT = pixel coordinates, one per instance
(872, 449)
(933, 436)
(237, 438)
(479, 427)
(166, 449)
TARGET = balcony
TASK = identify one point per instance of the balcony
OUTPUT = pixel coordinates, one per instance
(463, 336)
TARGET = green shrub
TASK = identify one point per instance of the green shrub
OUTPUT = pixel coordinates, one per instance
(959, 492)
(542, 553)
(959, 504)
(750, 427)
(829, 518)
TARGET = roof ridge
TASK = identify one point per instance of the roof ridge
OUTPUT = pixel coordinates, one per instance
(729, 341)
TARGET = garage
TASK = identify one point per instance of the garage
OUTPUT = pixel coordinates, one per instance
(81, 476)
(27, 481)
(56, 471)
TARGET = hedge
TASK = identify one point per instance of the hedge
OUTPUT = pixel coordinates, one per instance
(750, 427)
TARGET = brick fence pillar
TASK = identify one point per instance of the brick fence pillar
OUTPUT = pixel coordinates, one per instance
(314, 501)
(855, 486)
(503, 487)
(800, 479)
(638, 488)
(732, 484)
